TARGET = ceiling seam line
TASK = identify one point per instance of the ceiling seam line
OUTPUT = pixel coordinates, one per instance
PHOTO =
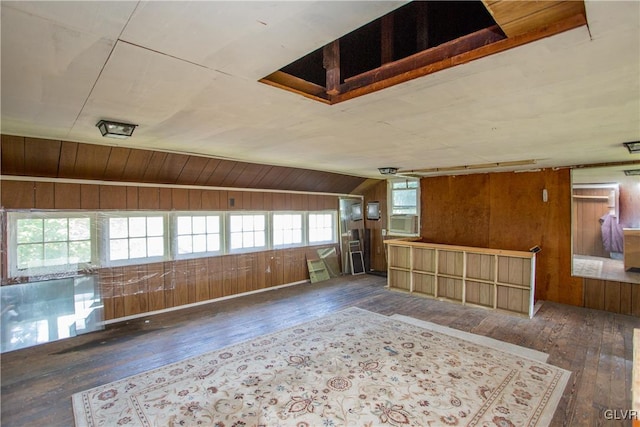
(167, 55)
(84, 104)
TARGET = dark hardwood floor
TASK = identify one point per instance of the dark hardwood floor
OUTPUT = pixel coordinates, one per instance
(37, 382)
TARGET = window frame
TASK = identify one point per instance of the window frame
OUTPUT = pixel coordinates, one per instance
(174, 234)
(267, 237)
(14, 270)
(390, 206)
(106, 238)
(303, 229)
(334, 227)
(407, 188)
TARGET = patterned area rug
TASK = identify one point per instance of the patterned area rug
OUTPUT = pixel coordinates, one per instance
(352, 368)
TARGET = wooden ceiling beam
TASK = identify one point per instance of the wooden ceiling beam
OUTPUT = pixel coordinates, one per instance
(424, 58)
(294, 84)
(386, 38)
(369, 84)
(331, 63)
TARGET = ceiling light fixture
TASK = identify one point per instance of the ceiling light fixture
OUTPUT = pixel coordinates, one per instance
(115, 130)
(388, 170)
(632, 172)
(633, 147)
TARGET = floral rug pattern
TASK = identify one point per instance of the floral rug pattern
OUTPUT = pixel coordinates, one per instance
(352, 368)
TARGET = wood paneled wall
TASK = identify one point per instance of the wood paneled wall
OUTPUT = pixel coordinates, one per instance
(587, 230)
(616, 297)
(377, 193)
(50, 195)
(142, 288)
(630, 202)
(506, 211)
(23, 156)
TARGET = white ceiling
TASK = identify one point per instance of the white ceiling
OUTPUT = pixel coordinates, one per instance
(187, 73)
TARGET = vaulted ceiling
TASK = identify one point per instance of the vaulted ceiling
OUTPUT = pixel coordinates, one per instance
(188, 74)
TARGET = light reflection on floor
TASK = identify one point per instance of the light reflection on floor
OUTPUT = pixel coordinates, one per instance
(38, 312)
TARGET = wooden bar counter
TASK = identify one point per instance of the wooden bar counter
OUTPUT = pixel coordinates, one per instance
(491, 278)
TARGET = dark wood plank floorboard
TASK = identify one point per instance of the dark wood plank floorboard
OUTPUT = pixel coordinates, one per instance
(37, 382)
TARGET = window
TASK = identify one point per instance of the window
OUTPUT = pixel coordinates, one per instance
(136, 238)
(321, 227)
(287, 229)
(43, 243)
(404, 197)
(51, 242)
(198, 234)
(247, 231)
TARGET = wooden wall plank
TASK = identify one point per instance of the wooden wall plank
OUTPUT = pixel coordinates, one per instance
(44, 195)
(588, 236)
(625, 298)
(242, 273)
(106, 292)
(257, 200)
(91, 161)
(229, 275)
(154, 171)
(192, 170)
(155, 286)
(180, 199)
(259, 176)
(466, 198)
(192, 265)
(215, 276)
(89, 196)
(249, 173)
(17, 194)
(132, 198)
(117, 285)
(172, 167)
(116, 163)
(279, 202)
(136, 166)
(296, 179)
(181, 282)
(594, 293)
(267, 201)
(166, 198)
(246, 200)
(195, 200)
(233, 175)
(210, 200)
(12, 155)
(67, 196)
(219, 173)
(207, 171)
(635, 300)
(148, 198)
(113, 197)
(41, 157)
(612, 297)
(169, 284)
(201, 280)
(67, 161)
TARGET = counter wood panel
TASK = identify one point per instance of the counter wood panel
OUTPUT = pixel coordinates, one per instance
(491, 278)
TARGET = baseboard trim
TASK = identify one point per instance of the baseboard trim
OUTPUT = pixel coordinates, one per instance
(195, 304)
